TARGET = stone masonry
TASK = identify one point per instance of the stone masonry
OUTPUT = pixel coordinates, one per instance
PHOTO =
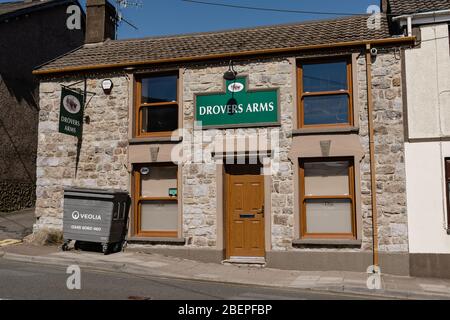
(200, 181)
(389, 153)
(103, 154)
(200, 184)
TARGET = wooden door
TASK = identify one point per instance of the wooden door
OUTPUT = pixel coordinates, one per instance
(245, 215)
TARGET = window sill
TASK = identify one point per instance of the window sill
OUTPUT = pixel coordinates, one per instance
(152, 240)
(145, 140)
(331, 130)
(327, 243)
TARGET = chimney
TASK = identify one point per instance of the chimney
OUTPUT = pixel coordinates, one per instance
(101, 19)
(385, 6)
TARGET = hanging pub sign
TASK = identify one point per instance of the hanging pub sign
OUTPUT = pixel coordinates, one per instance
(71, 112)
(238, 106)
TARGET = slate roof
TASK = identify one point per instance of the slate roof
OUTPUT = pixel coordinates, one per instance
(126, 52)
(13, 9)
(8, 7)
(400, 7)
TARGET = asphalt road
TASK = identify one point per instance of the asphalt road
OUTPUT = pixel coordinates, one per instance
(27, 281)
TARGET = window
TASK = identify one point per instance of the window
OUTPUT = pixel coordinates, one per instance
(447, 183)
(327, 198)
(325, 93)
(157, 105)
(156, 200)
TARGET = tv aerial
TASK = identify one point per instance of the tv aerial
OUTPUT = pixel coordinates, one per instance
(125, 4)
(129, 3)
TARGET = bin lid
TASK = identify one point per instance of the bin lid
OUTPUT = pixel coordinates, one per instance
(102, 192)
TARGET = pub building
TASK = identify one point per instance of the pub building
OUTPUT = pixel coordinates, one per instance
(271, 145)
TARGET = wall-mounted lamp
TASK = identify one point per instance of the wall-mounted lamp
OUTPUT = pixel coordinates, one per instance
(107, 86)
(230, 74)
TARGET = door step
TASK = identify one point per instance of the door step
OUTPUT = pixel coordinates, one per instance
(246, 261)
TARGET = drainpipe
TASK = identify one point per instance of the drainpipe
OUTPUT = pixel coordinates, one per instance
(373, 181)
(409, 23)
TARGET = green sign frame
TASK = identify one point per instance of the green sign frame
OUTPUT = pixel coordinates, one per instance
(71, 114)
(238, 107)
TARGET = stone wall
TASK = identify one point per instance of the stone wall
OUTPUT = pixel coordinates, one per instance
(16, 195)
(200, 192)
(102, 157)
(18, 136)
(26, 42)
(103, 154)
(200, 181)
(390, 153)
(18, 141)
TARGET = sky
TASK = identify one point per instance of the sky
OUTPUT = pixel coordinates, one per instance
(169, 17)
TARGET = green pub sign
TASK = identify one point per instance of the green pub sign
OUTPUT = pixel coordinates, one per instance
(71, 113)
(238, 107)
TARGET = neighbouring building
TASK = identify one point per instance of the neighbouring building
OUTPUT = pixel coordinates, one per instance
(272, 166)
(426, 74)
(31, 33)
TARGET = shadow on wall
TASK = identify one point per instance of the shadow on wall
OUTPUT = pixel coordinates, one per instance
(23, 90)
(18, 140)
(15, 196)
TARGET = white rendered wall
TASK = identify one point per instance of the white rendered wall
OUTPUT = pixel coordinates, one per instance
(428, 94)
(428, 84)
(426, 197)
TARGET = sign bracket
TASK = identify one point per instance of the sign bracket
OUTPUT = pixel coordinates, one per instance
(71, 87)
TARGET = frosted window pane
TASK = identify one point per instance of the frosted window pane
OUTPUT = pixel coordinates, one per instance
(159, 216)
(326, 178)
(157, 183)
(329, 216)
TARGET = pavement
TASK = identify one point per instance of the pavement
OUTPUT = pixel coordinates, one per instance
(16, 225)
(138, 263)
